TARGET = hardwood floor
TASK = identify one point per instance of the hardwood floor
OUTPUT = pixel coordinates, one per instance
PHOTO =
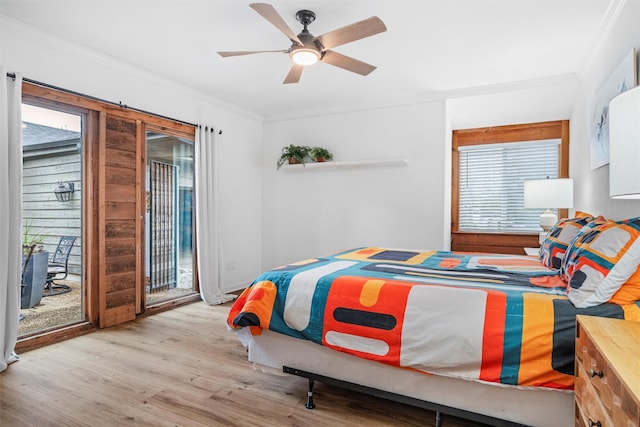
(177, 368)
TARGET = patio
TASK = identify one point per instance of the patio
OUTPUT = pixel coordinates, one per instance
(53, 311)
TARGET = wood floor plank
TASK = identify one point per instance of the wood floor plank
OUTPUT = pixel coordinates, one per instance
(177, 368)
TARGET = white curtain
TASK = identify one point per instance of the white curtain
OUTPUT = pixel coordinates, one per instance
(207, 202)
(10, 214)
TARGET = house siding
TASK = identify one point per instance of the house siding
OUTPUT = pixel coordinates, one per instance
(43, 213)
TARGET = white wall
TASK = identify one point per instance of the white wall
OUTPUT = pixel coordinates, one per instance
(526, 102)
(42, 57)
(311, 212)
(592, 186)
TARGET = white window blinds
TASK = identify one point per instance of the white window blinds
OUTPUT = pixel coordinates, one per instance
(492, 184)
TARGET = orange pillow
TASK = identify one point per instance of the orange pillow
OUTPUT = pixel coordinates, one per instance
(580, 214)
(629, 292)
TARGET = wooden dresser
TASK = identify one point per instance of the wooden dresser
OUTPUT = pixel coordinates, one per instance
(607, 385)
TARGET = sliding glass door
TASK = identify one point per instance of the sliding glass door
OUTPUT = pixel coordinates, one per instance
(52, 288)
(107, 200)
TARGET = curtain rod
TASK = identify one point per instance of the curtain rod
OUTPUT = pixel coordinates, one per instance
(93, 98)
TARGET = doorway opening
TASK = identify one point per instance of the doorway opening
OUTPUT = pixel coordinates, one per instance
(169, 184)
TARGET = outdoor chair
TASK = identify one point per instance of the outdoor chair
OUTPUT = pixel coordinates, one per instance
(58, 266)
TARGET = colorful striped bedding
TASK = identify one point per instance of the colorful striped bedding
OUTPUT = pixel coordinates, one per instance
(493, 318)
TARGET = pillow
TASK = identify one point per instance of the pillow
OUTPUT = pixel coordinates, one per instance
(570, 248)
(580, 214)
(560, 236)
(629, 292)
(601, 261)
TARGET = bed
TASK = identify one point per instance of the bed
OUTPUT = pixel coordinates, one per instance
(484, 336)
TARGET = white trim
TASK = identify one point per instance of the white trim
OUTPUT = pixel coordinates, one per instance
(559, 80)
(606, 26)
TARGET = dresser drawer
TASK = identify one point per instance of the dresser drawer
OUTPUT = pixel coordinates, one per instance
(625, 410)
(589, 408)
(607, 374)
(596, 373)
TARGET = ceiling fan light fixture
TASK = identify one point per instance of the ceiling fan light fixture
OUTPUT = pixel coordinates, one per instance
(305, 49)
(304, 56)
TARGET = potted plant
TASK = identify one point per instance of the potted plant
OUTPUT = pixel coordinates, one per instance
(35, 263)
(320, 154)
(293, 154)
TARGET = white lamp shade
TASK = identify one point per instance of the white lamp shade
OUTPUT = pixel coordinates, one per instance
(548, 193)
(624, 145)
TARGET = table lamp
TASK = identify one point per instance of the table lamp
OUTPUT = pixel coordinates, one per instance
(548, 194)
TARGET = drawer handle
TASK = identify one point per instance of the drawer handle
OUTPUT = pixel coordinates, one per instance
(594, 423)
(595, 373)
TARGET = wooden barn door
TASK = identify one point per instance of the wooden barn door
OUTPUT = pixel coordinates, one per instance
(119, 219)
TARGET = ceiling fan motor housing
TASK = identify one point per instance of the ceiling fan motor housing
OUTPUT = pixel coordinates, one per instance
(309, 46)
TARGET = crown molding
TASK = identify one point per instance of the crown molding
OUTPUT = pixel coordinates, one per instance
(440, 96)
(607, 24)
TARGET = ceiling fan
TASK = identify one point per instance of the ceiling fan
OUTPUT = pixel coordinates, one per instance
(306, 49)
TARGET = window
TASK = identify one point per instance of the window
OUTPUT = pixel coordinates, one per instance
(492, 184)
(489, 168)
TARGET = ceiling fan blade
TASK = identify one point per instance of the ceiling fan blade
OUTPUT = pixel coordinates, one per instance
(248, 52)
(294, 74)
(346, 62)
(353, 32)
(269, 13)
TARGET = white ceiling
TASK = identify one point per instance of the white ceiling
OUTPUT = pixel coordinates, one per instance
(430, 46)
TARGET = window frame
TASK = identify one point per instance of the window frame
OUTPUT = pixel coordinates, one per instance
(501, 242)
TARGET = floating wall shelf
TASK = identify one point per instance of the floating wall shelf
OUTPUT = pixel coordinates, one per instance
(346, 164)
